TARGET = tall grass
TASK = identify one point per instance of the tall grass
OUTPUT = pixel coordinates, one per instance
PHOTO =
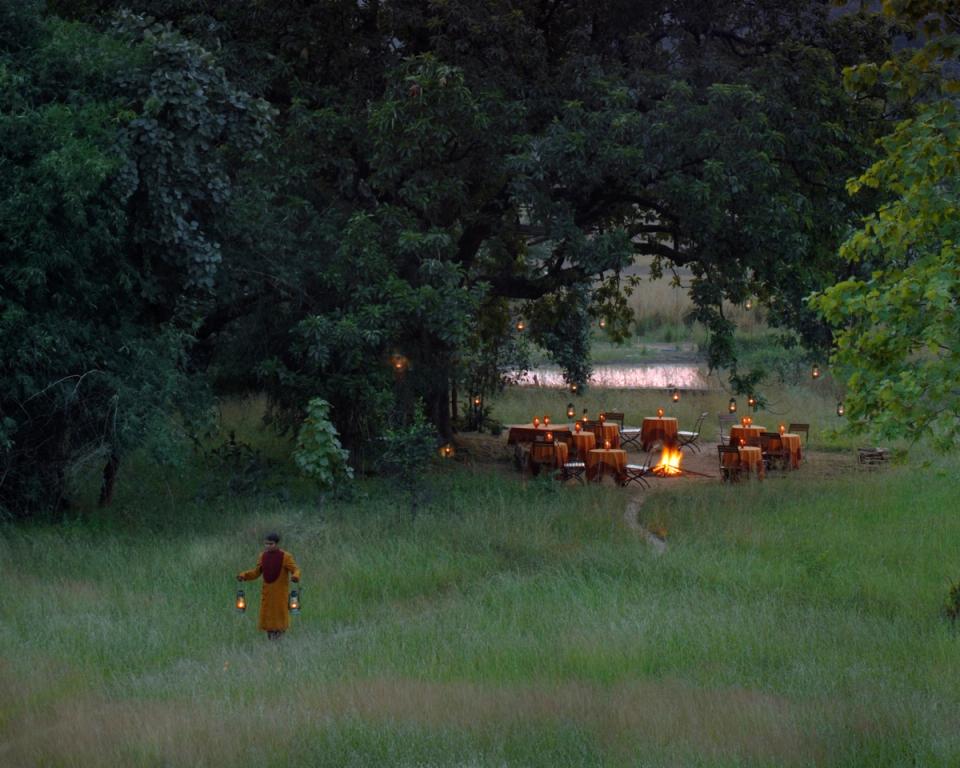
(510, 623)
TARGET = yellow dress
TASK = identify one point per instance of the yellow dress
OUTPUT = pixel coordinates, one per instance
(274, 614)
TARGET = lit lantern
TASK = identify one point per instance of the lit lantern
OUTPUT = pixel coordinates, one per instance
(606, 445)
(749, 421)
(577, 427)
(752, 401)
(574, 388)
(549, 437)
(520, 325)
(241, 602)
(675, 396)
(536, 421)
(732, 405)
(602, 417)
(477, 400)
(782, 428)
(546, 421)
(398, 362)
(815, 372)
(585, 416)
(660, 413)
(603, 322)
(743, 421)
(294, 602)
(447, 451)
(742, 442)
(570, 411)
(840, 410)
(748, 304)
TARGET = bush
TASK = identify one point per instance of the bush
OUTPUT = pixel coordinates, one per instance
(319, 454)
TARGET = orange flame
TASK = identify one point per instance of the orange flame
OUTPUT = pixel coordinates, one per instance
(670, 460)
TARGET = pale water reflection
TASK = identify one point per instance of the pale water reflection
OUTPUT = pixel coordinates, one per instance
(683, 376)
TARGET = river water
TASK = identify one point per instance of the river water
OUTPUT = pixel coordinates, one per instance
(653, 376)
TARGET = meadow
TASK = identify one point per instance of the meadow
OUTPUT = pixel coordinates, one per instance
(509, 623)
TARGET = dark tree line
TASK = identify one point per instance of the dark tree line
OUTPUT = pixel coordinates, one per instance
(287, 196)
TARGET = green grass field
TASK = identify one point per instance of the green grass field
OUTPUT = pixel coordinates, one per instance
(788, 623)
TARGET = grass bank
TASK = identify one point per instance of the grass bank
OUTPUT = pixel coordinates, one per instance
(508, 624)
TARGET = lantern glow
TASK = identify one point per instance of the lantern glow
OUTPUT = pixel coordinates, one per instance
(241, 602)
(536, 421)
(477, 400)
(447, 451)
(602, 417)
(603, 322)
(752, 401)
(577, 427)
(570, 411)
(675, 395)
(659, 413)
(840, 409)
(782, 428)
(606, 445)
(294, 602)
(815, 372)
(732, 405)
(546, 421)
(549, 437)
(520, 326)
(748, 304)
(574, 388)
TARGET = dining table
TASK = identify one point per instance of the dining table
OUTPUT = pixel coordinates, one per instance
(527, 433)
(553, 455)
(662, 429)
(791, 443)
(583, 442)
(751, 459)
(602, 461)
(741, 432)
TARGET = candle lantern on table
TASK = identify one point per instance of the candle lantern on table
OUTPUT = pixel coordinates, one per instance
(659, 413)
(840, 409)
(549, 437)
(675, 395)
(241, 602)
(815, 372)
(606, 445)
(546, 421)
(782, 428)
(742, 442)
(294, 602)
(732, 405)
(602, 417)
(536, 421)
(570, 411)
(577, 427)
(743, 421)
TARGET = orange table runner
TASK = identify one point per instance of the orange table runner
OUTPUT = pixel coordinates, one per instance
(662, 429)
(549, 454)
(744, 432)
(583, 442)
(600, 461)
(752, 459)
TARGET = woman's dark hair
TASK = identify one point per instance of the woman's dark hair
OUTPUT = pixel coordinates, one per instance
(274, 537)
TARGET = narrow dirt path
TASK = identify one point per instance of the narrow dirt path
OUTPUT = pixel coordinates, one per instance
(631, 516)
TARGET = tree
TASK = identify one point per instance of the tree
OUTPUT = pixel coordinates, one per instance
(439, 159)
(898, 328)
(113, 158)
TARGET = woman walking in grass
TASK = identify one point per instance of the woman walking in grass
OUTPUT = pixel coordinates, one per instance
(277, 568)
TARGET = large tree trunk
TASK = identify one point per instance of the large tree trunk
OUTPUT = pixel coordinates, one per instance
(109, 480)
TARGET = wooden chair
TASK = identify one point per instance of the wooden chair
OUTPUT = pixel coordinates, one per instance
(729, 458)
(637, 473)
(616, 416)
(692, 438)
(796, 429)
(771, 456)
(726, 421)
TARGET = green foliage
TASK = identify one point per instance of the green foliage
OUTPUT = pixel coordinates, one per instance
(898, 337)
(951, 608)
(318, 454)
(406, 453)
(106, 252)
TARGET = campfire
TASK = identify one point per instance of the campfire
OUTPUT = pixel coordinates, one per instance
(669, 464)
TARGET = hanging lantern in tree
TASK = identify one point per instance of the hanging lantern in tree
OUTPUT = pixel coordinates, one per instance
(732, 405)
(477, 400)
(748, 304)
(520, 325)
(603, 322)
(815, 372)
(675, 395)
(574, 388)
(840, 409)
(570, 411)
(447, 451)
(585, 417)
(241, 601)
(752, 401)
(294, 602)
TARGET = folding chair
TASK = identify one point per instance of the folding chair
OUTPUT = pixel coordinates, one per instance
(796, 429)
(692, 438)
(637, 473)
(616, 416)
(726, 421)
(729, 458)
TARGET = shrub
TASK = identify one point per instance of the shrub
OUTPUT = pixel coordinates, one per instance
(319, 454)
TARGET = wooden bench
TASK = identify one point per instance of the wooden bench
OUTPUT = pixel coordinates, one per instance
(873, 455)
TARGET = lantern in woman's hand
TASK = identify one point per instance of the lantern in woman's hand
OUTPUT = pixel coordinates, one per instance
(241, 601)
(294, 602)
